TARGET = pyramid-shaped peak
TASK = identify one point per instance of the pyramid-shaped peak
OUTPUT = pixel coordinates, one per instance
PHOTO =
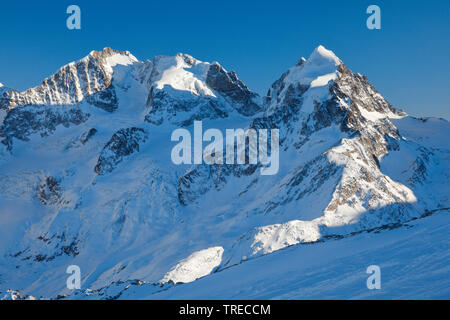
(179, 61)
(321, 56)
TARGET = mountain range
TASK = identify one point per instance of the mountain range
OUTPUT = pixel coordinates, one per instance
(86, 177)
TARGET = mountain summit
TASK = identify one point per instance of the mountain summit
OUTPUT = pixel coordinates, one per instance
(86, 176)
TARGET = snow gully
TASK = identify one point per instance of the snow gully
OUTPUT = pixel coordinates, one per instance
(235, 142)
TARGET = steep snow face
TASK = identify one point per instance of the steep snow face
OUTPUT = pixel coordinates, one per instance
(102, 192)
(3, 91)
(323, 56)
(182, 73)
(414, 256)
(102, 155)
(197, 265)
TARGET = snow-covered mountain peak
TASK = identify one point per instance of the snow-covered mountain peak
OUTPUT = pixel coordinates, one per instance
(3, 88)
(181, 72)
(76, 81)
(105, 59)
(301, 61)
(114, 57)
(316, 71)
(103, 193)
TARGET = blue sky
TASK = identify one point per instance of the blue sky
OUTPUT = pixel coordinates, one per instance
(408, 60)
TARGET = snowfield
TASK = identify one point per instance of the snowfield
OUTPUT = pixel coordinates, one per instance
(414, 261)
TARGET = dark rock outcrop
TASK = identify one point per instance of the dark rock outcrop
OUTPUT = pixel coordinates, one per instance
(21, 122)
(122, 144)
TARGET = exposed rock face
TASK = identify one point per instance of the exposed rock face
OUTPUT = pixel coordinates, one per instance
(340, 106)
(122, 144)
(81, 140)
(57, 245)
(164, 106)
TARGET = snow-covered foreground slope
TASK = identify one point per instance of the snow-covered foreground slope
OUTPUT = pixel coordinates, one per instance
(414, 259)
(86, 176)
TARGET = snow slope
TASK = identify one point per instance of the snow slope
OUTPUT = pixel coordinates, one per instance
(414, 261)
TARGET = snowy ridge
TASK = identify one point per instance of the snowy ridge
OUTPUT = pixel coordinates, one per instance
(103, 193)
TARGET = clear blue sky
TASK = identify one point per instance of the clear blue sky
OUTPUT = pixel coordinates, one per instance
(408, 60)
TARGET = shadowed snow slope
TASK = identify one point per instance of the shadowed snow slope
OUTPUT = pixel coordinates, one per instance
(414, 261)
(86, 176)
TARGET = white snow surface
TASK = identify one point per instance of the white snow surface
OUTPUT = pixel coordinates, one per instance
(317, 70)
(197, 265)
(184, 73)
(129, 224)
